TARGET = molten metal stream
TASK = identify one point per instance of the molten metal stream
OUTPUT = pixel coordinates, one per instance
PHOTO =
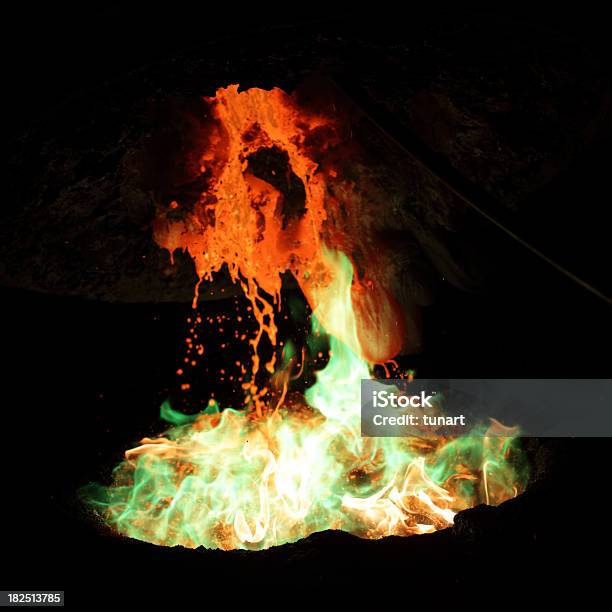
(280, 470)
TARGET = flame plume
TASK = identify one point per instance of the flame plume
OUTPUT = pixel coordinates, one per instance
(279, 471)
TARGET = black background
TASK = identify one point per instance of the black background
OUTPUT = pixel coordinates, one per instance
(84, 380)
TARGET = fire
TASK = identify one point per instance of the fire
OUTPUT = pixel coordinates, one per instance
(239, 221)
(281, 468)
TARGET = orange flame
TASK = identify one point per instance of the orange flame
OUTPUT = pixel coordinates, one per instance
(239, 220)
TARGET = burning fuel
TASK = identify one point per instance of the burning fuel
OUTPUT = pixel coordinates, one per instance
(281, 467)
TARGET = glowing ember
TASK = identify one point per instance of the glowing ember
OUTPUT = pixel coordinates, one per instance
(283, 469)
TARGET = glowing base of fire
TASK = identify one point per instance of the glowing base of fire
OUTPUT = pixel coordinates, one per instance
(235, 479)
(232, 480)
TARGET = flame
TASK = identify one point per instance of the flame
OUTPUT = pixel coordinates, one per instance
(286, 468)
(238, 221)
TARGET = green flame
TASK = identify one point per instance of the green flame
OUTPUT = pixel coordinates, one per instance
(223, 479)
